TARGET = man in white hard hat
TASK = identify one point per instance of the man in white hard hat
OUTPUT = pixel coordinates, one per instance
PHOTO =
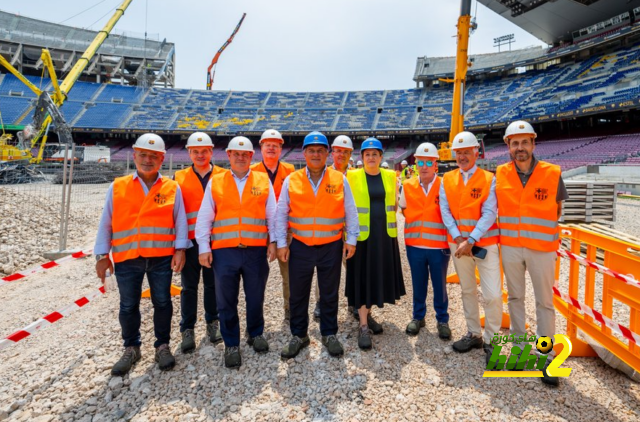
(271, 143)
(144, 226)
(468, 207)
(403, 170)
(193, 181)
(235, 234)
(351, 163)
(530, 194)
(385, 165)
(425, 237)
(359, 164)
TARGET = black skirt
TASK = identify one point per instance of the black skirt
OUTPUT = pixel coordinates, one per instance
(374, 273)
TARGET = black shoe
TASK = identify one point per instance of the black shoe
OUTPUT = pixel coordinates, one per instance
(548, 379)
(444, 332)
(333, 345)
(213, 331)
(259, 344)
(188, 344)
(292, 349)
(287, 315)
(468, 342)
(488, 350)
(316, 311)
(164, 358)
(364, 338)
(130, 356)
(413, 328)
(232, 358)
(374, 326)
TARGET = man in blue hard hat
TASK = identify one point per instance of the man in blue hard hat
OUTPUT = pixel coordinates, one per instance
(315, 202)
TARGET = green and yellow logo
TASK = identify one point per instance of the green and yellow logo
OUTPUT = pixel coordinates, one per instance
(522, 348)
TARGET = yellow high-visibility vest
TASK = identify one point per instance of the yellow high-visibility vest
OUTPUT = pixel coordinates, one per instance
(358, 184)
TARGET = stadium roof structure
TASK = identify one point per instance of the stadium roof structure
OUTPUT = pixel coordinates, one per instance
(121, 59)
(554, 21)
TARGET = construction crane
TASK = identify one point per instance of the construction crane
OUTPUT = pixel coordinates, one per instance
(47, 108)
(466, 25)
(211, 71)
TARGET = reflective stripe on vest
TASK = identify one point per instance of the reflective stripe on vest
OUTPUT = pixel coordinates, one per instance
(465, 203)
(316, 219)
(423, 221)
(192, 193)
(132, 208)
(239, 222)
(359, 188)
(528, 215)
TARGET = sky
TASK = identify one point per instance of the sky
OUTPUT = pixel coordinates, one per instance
(292, 45)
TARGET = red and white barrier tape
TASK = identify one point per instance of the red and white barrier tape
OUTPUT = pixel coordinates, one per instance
(620, 329)
(22, 274)
(600, 268)
(50, 319)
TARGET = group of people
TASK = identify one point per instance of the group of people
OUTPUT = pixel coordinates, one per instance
(224, 226)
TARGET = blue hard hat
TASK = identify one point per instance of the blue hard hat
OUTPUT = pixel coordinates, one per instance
(371, 143)
(315, 138)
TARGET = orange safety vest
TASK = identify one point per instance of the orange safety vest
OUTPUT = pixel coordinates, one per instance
(192, 194)
(142, 225)
(284, 169)
(316, 219)
(528, 216)
(423, 222)
(465, 203)
(239, 223)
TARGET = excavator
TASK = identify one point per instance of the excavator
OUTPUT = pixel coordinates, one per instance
(47, 110)
(211, 70)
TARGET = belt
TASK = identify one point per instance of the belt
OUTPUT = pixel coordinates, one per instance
(241, 246)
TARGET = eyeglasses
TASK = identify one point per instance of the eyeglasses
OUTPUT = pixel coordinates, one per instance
(421, 163)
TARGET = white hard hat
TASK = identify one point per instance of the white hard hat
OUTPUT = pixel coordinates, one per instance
(404, 162)
(199, 139)
(150, 142)
(271, 135)
(464, 140)
(342, 141)
(426, 149)
(517, 128)
(359, 163)
(240, 143)
(385, 165)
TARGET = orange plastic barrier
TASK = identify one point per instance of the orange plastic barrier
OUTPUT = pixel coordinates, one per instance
(620, 268)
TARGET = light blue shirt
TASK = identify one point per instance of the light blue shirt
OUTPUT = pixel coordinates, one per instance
(207, 213)
(350, 211)
(105, 228)
(489, 209)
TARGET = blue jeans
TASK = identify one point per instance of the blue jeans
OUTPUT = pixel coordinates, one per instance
(129, 275)
(425, 262)
(190, 277)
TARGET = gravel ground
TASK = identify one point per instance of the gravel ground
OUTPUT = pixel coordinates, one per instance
(62, 372)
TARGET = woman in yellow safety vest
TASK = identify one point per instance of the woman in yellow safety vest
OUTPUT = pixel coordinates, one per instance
(374, 274)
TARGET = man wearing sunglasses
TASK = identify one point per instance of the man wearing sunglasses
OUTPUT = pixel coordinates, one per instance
(425, 237)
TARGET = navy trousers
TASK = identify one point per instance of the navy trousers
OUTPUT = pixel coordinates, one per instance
(425, 262)
(190, 278)
(303, 260)
(229, 265)
(129, 275)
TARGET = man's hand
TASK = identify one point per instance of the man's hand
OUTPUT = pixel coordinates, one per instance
(177, 262)
(464, 249)
(205, 259)
(283, 254)
(102, 266)
(271, 252)
(458, 240)
(348, 251)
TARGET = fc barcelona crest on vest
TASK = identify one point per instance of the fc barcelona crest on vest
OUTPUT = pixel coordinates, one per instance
(256, 191)
(331, 189)
(437, 200)
(160, 199)
(541, 194)
(476, 193)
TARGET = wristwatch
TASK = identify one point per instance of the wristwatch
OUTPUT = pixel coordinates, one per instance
(101, 257)
(471, 240)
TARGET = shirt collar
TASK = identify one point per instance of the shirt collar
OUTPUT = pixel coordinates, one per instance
(470, 171)
(237, 178)
(334, 167)
(534, 161)
(136, 176)
(306, 169)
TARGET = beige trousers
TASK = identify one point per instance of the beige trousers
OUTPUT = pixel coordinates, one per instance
(284, 272)
(541, 268)
(489, 269)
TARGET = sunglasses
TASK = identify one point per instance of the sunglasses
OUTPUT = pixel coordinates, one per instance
(421, 163)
